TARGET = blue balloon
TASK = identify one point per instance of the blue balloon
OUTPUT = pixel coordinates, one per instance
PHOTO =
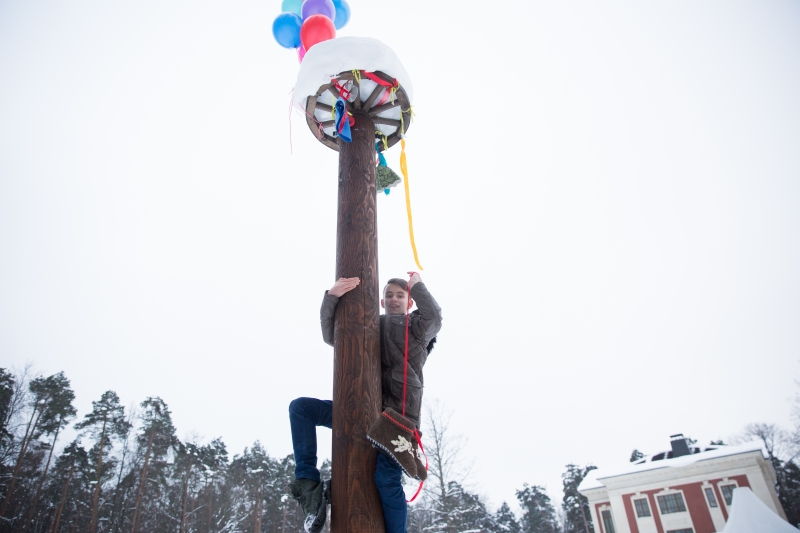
(286, 30)
(292, 6)
(342, 13)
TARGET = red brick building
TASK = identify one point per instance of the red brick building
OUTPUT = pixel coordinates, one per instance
(683, 490)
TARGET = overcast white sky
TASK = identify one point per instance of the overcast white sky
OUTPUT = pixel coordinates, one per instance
(605, 199)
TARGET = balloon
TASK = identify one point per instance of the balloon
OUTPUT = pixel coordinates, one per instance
(286, 30)
(292, 6)
(316, 28)
(318, 7)
(342, 13)
(301, 53)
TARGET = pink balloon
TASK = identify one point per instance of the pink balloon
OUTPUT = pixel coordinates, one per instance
(301, 53)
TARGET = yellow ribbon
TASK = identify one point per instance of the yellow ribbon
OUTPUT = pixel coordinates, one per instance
(383, 137)
(357, 75)
(402, 122)
(404, 170)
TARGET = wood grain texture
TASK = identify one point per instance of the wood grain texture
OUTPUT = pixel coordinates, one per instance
(376, 92)
(375, 111)
(313, 124)
(402, 98)
(387, 121)
(355, 504)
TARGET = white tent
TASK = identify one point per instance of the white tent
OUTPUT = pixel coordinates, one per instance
(750, 515)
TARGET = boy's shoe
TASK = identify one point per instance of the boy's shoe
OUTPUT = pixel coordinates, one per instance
(313, 497)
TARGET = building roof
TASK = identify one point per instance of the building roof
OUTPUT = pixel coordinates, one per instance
(594, 479)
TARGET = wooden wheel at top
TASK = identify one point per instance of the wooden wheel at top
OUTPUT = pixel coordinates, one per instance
(386, 116)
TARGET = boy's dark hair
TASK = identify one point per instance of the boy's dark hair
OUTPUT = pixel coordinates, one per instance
(403, 284)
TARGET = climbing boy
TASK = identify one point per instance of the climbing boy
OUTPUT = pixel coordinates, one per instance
(306, 413)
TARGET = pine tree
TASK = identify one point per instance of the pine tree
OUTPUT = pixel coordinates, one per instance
(782, 456)
(281, 476)
(156, 439)
(420, 515)
(105, 423)
(790, 492)
(255, 485)
(538, 513)
(461, 510)
(68, 468)
(32, 431)
(636, 455)
(467, 512)
(6, 395)
(56, 416)
(214, 461)
(126, 479)
(576, 508)
(505, 521)
(257, 471)
(187, 462)
(14, 420)
(50, 403)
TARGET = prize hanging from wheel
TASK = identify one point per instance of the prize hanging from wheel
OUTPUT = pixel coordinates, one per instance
(346, 75)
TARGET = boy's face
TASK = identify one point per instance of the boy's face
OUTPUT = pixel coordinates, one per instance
(395, 300)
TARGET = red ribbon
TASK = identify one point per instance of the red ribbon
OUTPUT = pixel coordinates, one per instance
(380, 81)
(350, 119)
(383, 83)
(344, 93)
(405, 379)
(405, 349)
(405, 366)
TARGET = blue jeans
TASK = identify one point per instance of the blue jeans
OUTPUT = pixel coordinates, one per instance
(305, 414)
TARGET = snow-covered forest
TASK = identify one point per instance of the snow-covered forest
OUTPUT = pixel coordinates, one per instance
(127, 471)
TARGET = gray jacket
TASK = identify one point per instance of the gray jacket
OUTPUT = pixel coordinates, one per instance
(424, 325)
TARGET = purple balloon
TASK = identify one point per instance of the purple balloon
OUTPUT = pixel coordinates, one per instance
(318, 7)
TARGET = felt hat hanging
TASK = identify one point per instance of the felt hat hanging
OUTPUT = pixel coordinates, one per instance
(385, 177)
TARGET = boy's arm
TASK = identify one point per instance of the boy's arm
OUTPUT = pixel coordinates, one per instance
(329, 302)
(326, 313)
(430, 314)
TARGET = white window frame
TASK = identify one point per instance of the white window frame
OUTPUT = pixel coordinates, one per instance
(727, 482)
(600, 510)
(678, 520)
(605, 507)
(644, 497)
(708, 486)
(667, 493)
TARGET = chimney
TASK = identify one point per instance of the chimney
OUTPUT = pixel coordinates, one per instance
(679, 445)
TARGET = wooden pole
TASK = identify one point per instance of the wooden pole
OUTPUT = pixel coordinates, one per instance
(355, 504)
